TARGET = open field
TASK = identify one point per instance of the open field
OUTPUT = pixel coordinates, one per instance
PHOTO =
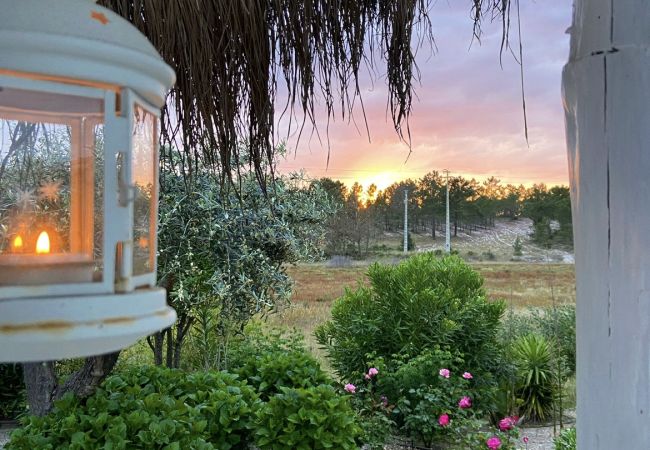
(522, 285)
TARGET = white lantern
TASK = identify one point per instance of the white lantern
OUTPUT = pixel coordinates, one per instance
(80, 96)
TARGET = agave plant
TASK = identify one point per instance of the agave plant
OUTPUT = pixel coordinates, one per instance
(536, 387)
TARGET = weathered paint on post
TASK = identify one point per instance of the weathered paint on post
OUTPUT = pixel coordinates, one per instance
(606, 89)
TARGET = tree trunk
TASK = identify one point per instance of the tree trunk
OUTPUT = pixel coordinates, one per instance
(433, 227)
(43, 388)
(606, 89)
(40, 383)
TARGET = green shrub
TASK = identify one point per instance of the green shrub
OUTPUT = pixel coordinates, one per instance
(536, 387)
(490, 256)
(558, 325)
(566, 440)
(306, 419)
(148, 408)
(12, 391)
(517, 247)
(423, 303)
(270, 371)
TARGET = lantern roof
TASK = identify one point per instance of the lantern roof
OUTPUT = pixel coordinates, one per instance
(81, 41)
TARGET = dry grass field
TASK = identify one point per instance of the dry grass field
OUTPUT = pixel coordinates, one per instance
(522, 285)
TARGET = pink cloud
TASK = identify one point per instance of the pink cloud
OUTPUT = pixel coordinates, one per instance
(468, 115)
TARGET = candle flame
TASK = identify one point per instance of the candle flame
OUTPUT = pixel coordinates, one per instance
(17, 243)
(43, 243)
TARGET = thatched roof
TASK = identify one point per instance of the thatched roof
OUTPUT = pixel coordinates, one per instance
(230, 56)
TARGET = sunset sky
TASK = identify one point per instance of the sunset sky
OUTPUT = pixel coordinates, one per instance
(468, 115)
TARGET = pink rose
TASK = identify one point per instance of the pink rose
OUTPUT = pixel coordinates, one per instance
(351, 388)
(494, 443)
(467, 376)
(366, 376)
(465, 403)
(525, 439)
(508, 423)
(444, 373)
(372, 372)
(443, 420)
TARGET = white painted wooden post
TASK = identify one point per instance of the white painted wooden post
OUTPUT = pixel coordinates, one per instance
(606, 89)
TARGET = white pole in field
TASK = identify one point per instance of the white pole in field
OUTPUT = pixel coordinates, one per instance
(606, 90)
(406, 221)
(448, 229)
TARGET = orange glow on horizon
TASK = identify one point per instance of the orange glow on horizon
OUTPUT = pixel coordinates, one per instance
(43, 243)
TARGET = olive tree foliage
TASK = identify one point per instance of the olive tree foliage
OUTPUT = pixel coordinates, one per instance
(223, 253)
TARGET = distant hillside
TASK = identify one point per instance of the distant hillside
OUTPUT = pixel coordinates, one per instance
(497, 241)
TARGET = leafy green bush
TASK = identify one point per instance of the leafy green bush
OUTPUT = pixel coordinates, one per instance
(424, 409)
(517, 247)
(556, 324)
(270, 371)
(422, 303)
(566, 440)
(12, 391)
(148, 408)
(489, 255)
(306, 419)
(536, 387)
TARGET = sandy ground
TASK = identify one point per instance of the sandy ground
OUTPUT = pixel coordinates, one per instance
(4, 437)
(500, 240)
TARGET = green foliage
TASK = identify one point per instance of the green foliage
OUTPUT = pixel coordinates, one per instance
(271, 371)
(148, 408)
(223, 252)
(214, 249)
(306, 419)
(536, 382)
(376, 429)
(489, 255)
(410, 242)
(421, 409)
(12, 391)
(556, 324)
(550, 210)
(261, 340)
(566, 440)
(517, 247)
(423, 303)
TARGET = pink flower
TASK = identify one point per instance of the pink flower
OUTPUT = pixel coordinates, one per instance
(443, 420)
(525, 439)
(494, 443)
(351, 388)
(384, 401)
(366, 376)
(465, 403)
(444, 373)
(372, 372)
(467, 376)
(508, 423)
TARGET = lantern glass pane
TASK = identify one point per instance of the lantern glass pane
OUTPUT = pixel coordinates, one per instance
(51, 156)
(145, 160)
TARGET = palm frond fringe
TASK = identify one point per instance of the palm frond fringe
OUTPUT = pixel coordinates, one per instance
(231, 55)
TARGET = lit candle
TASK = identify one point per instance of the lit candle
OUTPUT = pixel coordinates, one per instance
(42, 266)
(43, 243)
(17, 244)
